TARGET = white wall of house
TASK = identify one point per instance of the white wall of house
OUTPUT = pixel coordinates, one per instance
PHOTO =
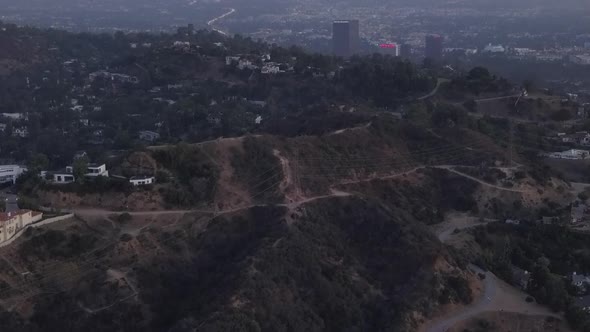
(63, 178)
(97, 170)
(142, 181)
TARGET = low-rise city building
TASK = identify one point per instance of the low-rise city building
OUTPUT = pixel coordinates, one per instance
(10, 173)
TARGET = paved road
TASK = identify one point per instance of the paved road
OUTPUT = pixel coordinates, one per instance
(211, 22)
(11, 201)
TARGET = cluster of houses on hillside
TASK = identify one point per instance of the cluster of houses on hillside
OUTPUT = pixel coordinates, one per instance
(255, 62)
(580, 138)
(580, 282)
(116, 77)
(572, 154)
(10, 173)
(93, 170)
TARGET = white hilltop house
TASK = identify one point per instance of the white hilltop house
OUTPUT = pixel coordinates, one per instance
(573, 154)
(142, 180)
(67, 175)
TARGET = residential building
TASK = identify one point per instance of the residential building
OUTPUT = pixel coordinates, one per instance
(95, 170)
(22, 132)
(149, 136)
(270, 68)
(345, 37)
(9, 173)
(580, 280)
(80, 154)
(578, 213)
(513, 222)
(12, 222)
(142, 180)
(494, 49)
(15, 116)
(67, 175)
(259, 103)
(583, 60)
(231, 59)
(573, 154)
(434, 47)
(582, 138)
(2, 127)
(521, 277)
(64, 176)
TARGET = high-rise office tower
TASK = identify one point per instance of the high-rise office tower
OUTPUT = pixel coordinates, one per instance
(405, 51)
(434, 47)
(345, 37)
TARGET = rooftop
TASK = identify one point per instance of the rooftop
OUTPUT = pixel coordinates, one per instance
(95, 165)
(5, 216)
(141, 177)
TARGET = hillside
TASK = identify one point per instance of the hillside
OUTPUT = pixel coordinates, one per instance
(314, 233)
(250, 271)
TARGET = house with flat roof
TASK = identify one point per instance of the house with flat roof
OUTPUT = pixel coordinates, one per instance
(67, 175)
(95, 170)
(64, 176)
(142, 180)
(149, 136)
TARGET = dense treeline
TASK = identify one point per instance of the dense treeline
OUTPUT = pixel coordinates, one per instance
(384, 80)
(194, 176)
(197, 95)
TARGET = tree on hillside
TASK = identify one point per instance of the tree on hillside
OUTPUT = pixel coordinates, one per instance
(479, 73)
(80, 169)
(471, 105)
(38, 163)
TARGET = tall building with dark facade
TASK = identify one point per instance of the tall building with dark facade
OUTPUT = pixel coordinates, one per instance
(345, 37)
(434, 47)
(405, 51)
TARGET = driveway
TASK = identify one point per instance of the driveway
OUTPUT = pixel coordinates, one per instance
(496, 296)
(11, 201)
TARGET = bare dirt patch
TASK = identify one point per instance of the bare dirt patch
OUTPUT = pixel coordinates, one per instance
(229, 193)
(509, 321)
